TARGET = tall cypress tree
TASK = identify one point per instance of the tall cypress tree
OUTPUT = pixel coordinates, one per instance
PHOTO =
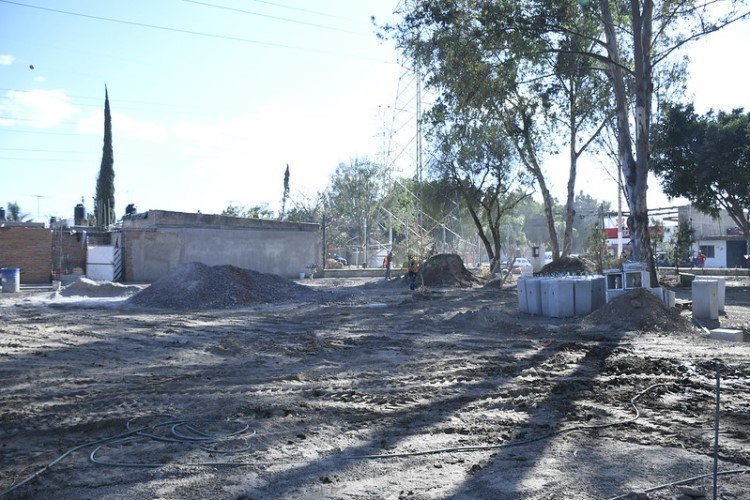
(285, 196)
(104, 203)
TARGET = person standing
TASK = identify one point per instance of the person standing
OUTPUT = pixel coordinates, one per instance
(700, 259)
(413, 273)
(387, 264)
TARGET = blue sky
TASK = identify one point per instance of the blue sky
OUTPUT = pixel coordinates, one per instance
(198, 122)
(202, 121)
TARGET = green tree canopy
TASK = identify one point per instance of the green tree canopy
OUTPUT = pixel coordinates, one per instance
(706, 159)
(14, 213)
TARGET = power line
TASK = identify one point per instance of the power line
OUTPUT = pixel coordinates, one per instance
(277, 18)
(195, 33)
(48, 150)
(300, 9)
(44, 132)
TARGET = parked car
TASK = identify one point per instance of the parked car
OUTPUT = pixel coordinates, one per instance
(520, 265)
(340, 260)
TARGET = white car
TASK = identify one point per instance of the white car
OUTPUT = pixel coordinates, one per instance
(521, 265)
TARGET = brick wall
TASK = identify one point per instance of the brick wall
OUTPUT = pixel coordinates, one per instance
(68, 251)
(28, 248)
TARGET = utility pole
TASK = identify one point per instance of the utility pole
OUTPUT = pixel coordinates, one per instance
(38, 215)
(619, 212)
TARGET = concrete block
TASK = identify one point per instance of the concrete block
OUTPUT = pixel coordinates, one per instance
(533, 295)
(590, 294)
(558, 298)
(705, 299)
(670, 298)
(657, 292)
(722, 291)
(583, 297)
(523, 303)
(728, 334)
(612, 294)
(598, 292)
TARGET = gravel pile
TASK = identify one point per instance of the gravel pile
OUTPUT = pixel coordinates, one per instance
(85, 287)
(195, 286)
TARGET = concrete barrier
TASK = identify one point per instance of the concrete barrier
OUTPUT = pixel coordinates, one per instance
(728, 334)
(533, 295)
(722, 290)
(589, 294)
(705, 299)
(523, 301)
(558, 298)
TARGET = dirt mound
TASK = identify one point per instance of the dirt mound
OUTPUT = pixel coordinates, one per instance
(568, 265)
(638, 309)
(194, 286)
(447, 269)
(85, 287)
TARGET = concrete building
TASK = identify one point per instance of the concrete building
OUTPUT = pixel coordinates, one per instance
(720, 239)
(155, 242)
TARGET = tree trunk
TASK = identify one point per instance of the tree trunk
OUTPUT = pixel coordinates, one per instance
(634, 169)
(569, 210)
(526, 152)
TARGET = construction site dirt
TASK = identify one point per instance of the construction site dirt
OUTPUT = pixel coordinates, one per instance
(374, 392)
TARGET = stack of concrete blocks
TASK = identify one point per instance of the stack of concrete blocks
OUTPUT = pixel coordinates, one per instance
(590, 294)
(619, 282)
(705, 299)
(561, 297)
(721, 293)
(666, 296)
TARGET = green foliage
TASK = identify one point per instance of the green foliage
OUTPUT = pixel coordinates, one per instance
(476, 157)
(706, 159)
(15, 214)
(306, 209)
(104, 201)
(255, 212)
(588, 212)
(680, 243)
(285, 196)
(596, 249)
(353, 201)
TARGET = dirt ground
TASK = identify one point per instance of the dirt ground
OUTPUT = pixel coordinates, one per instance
(376, 392)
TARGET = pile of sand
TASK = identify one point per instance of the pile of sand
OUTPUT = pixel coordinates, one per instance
(195, 286)
(568, 265)
(85, 287)
(639, 309)
(447, 269)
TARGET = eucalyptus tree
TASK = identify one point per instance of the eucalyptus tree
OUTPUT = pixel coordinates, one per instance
(476, 49)
(537, 85)
(477, 158)
(639, 37)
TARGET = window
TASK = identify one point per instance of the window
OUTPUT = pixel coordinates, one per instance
(708, 251)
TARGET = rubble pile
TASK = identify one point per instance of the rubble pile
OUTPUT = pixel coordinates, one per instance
(194, 286)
